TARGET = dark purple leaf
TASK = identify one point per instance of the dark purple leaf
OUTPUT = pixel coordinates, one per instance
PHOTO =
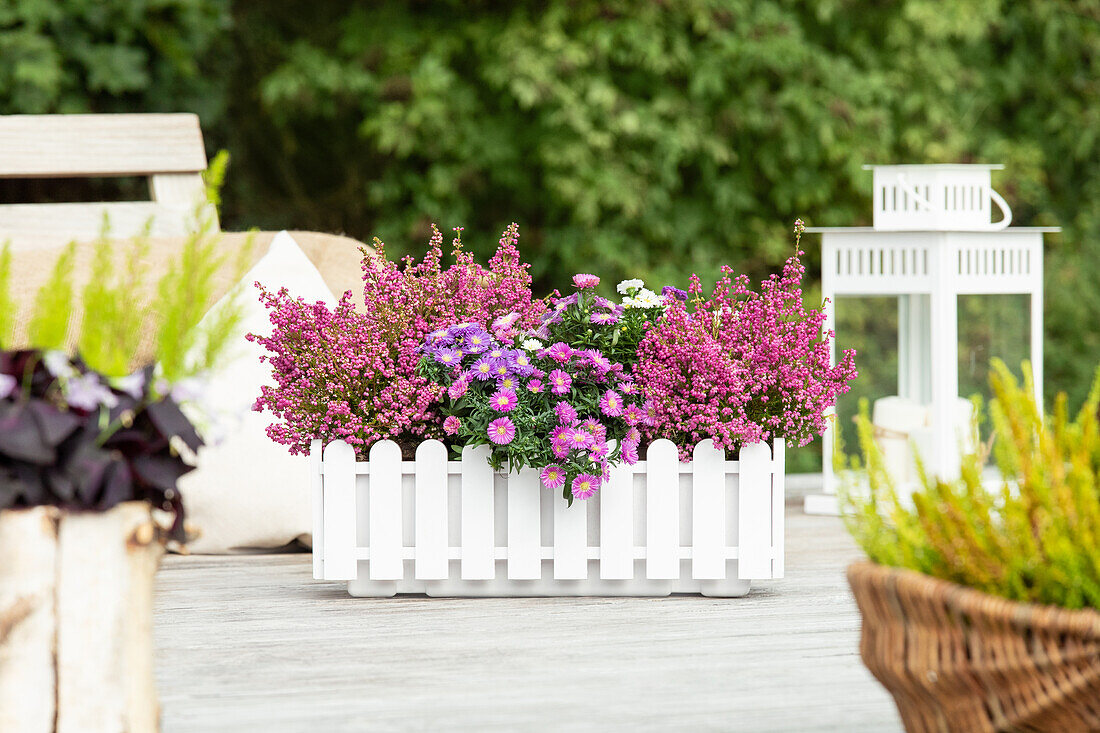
(54, 425)
(20, 437)
(168, 419)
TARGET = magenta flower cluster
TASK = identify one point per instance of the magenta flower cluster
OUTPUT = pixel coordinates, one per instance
(350, 375)
(741, 366)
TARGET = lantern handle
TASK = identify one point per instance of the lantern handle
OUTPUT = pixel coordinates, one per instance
(1006, 210)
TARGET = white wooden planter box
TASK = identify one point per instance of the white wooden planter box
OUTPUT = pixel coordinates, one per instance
(457, 528)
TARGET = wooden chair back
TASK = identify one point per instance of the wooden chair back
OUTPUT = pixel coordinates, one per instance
(167, 148)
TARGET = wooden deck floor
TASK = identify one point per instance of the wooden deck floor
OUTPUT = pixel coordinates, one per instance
(254, 644)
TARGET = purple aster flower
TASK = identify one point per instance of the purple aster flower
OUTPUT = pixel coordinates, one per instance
(503, 400)
(630, 453)
(561, 304)
(565, 412)
(458, 387)
(611, 403)
(599, 450)
(632, 414)
(7, 386)
(482, 369)
(501, 368)
(670, 292)
(497, 352)
(521, 363)
(650, 418)
(507, 321)
(600, 362)
(628, 388)
(477, 342)
(502, 431)
(595, 427)
(603, 302)
(561, 434)
(451, 425)
(560, 352)
(585, 486)
(510, 382)
(633, 435)
(603, 319)
(552, 477)
(438, 338)
(534, 385)
(445, 355)
(559, 448)
(583, 280)
(560, 382)
(580, 438)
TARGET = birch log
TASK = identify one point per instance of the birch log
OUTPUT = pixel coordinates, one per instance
(28, 622)
(82, 660)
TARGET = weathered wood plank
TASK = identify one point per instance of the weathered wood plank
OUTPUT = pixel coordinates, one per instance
(40, 146)
(293, 654)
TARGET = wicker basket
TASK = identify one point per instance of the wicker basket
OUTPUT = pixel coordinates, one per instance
(957, 659)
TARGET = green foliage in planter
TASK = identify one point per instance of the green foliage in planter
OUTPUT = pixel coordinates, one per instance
(1035, 538)
(109, 334)
(7, 303)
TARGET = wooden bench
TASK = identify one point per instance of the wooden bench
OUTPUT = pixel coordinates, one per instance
(167, 148)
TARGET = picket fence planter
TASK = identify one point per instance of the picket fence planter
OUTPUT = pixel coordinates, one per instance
(457, 528)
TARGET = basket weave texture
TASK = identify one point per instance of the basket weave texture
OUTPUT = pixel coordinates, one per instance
(957, 659)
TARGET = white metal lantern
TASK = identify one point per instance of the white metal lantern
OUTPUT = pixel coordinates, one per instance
(933, 239)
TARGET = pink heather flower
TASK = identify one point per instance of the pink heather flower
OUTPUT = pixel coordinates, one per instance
(580, 438)
(585, 486)
(458, 388)
(552, 477)
(565, 412)
(451, 425)
(344, 374)
(560, 352)
(534, 385)
(560, 382)
(583, 281)
(503, 400)
(502, 431)
(611, 403)
(740, 366)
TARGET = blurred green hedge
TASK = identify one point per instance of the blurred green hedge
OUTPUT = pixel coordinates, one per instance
(627, 138)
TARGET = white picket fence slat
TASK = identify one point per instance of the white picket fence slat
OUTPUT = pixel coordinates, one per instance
(430, 502)
(453, 509)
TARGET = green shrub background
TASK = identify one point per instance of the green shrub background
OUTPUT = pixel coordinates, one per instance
(627, 138)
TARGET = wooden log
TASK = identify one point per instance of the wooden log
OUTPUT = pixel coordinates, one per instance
(106, 564)
(28, 577)
(76, 620)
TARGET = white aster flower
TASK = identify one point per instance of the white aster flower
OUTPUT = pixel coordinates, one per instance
(627, 285)
(532, 344)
